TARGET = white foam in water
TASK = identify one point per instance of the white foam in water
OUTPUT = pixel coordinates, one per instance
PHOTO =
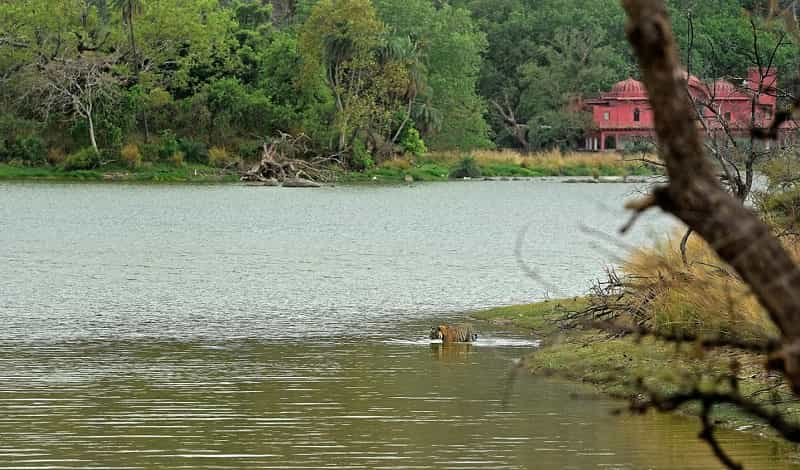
(486, 342)
(508, 342)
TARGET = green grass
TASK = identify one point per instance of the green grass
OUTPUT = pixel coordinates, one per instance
(154, 174)
(540, 317)
(10, 172)
(509, 169)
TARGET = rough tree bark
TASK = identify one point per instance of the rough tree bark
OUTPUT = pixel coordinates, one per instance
(694, 194)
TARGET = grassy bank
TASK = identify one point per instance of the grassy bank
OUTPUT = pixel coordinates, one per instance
(506, 163)
(615, 365)
(155, 174)
(432, 167)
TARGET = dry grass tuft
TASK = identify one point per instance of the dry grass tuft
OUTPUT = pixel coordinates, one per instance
(552, 159)
(703, 298)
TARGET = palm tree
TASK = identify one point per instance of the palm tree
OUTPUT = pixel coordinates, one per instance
(129, 9)
(408, 52)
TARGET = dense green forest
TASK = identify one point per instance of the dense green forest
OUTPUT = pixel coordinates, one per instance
(208, 81)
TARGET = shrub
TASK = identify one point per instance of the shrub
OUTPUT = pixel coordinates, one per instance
(150, 152)
(251, 150)
(131, 156)
(412, 143)
(397, 164)
(467, 167)
(29, 150)
(192, 150)
(56, 156)
(640, 145)
(84, 159)
(169, 145)
(704, 298)
(361, 158)
(177, 159)
(220, 157)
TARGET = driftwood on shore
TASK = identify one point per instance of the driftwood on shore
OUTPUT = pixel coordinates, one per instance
(276, 168)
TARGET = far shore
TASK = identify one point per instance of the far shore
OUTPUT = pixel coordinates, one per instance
(492, 166)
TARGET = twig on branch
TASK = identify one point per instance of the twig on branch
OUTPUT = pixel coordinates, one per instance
(655, 401)
(639, 207)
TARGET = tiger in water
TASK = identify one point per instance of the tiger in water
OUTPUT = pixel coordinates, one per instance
(454, 333)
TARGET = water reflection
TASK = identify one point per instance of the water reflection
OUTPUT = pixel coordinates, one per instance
(347, 403)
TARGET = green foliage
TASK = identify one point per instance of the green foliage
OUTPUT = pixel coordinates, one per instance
(220, 157)
(169, 145)
(639, 146)
(401, 75)
(84, 159)
(467, 167)
(193, 151)
(412, 143)
(236, 110)
(374, 76)
(779, 202)
(150, 152)
(29, 150)
(361, 159)
(250, 150)
(444, 62)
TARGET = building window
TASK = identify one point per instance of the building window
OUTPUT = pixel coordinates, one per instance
(728, 117)
(606, 116)
(610, 142)
(636, 115)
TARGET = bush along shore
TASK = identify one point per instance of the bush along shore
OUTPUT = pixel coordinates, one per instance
(431, 167)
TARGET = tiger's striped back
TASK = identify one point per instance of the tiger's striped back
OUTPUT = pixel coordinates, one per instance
(454, 333)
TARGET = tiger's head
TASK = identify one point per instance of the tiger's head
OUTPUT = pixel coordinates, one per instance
(436, 332)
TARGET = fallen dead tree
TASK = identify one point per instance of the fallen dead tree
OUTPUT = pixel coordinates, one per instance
(277, 165)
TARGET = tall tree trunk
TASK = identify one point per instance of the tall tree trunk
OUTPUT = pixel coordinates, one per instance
(133, 38)
(146, 127)
(136, 65)
(92, 138)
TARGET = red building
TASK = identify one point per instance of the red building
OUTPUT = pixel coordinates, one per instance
(624, 114)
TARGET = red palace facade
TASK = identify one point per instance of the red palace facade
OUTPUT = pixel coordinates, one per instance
(624, 114)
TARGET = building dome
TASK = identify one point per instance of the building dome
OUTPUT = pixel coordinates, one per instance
(629, 88)
(723, 88)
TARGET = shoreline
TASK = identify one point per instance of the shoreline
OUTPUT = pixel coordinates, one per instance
(612, 365)
(199, 174)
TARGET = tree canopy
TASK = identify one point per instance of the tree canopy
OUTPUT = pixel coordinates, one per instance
(362, 80)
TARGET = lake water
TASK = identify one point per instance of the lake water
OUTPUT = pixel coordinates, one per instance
(246, 327)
